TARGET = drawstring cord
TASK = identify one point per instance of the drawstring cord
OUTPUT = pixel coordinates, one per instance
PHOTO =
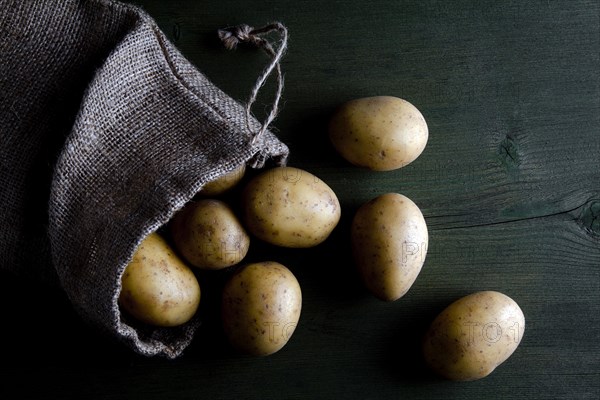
(231, 37)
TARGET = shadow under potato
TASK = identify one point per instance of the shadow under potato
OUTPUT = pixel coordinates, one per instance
(308, 136)
(329, 267)
(403, 346)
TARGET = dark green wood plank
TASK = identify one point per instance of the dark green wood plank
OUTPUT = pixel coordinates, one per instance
(509, 185)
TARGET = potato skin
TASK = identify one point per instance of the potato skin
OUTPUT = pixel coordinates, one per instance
(381, 133)
(474, 335)
(389, 244)
(290, 207)
(208, 235)
(157, 287)
(261, 308)
(223, 183)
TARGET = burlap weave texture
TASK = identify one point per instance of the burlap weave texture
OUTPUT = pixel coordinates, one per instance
(107, 130)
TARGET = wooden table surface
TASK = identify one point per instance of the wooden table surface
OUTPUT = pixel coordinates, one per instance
(509, 185)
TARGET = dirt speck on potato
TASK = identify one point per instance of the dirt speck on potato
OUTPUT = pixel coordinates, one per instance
(261, 307)
(473, 336)
(302, 210)
(157, 287)
(389, 241)
(209, 235)
(381, 133)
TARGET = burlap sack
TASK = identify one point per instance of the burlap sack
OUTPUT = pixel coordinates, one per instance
(106, 131)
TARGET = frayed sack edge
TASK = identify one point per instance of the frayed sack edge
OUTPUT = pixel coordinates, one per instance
(149, 341)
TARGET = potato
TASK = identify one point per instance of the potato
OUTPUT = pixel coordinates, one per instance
(223, 183)
(261, 308)
(474, 335)
(290, 207)
(157, 287)
(381, 133)
(208, 235)
(389, 244)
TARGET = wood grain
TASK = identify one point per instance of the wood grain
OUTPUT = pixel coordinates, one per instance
(509, 184)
